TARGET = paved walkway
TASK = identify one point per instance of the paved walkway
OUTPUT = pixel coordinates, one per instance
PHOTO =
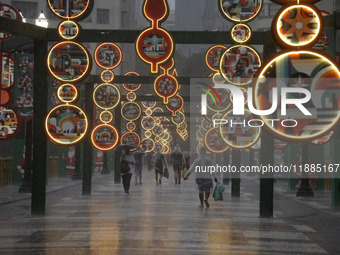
(154, 219)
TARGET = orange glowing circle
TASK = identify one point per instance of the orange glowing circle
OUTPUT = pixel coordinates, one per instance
(131, 96)
(106, 96)
(147, 144)
(5, 97)
(179, 118)
(68, 61)
(148, 123)
(297, 25)
(106, 117)
(108, 55)
(68, 30)
(66, 124)
(132, 87)
(107, 76)
(130, 138)
(241, 10)
(67, 93)
(130, 126)
(213, 56)
(240, 33)
(131, 111)
(166, 86)
(68, 9)
(214, 141)
(175, 104)
(104, 137)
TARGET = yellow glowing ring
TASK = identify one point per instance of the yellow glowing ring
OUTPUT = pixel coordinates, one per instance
(77, 137)
(76, 13)
(131, 96)
(110, 146)
(106, 117)
(100, 89)
(130, 135)
(107, 76)
(218, 78)
(134, 116)
(261, 75)
(235, 128)
(231, 17)
(158, 130)
(147, 133)
(132, 87)
(234, 33)
(67, 25)
(301, 29)
(67, 97)
(149, 104)
(226, 69)
(222, 146)
(182, 126)
(151, 144)
(116, 62)
(213, 55)
(168, 94)
(54, 58)
(180, 119)
(206, 124)
(130, 126)
(176, 109)
(151, 123)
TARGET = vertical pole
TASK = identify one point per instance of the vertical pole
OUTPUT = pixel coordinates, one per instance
(335, 159)
(39, 137)
(87, 168)
(267, 180)
(236, 180)
(226, 163)
(118, 123)
(305, 189)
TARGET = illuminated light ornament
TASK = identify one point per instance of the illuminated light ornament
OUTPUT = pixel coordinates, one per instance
(106, 117)
(297, 25)
(66, 124)
(175, 104)
(179, 118)
(131, 96)
(106, 96)
(148, 112)
(130, 126)
(68, 61)
(311, 70)
(108, 55)
(218, 78)
(206, 124)
(67, 93)
(68, 30)
(7, 71)
(107, 76)
(240, 10)
(131, 111)
(237, 133)
(222, 103)
(147, 144)
(130, 138)
(104, 137)
(182, 126)
(239, 63)
(213, 56)
(147, 133)
(166, 85)
(158, 130)
(69, 9)
(132, 87)
(149, 104)
(323, 140)
(5, 97)
(240, 33)
(154, 45)
(10, 122)
(148, 123)
(8, 12)
(214, 142)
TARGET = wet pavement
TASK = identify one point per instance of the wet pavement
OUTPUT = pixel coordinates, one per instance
(163, 219)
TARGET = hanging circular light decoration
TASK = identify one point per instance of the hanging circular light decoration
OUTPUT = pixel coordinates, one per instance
(223, 102)
(67, 93)
(147, 134)
(9, 12)
(147, 144)
(106, 96)
(148, 112)
(104, 137)
(131, 111)
(175, 104)
(237, 135)
(7, 74)
(239, 63)
(68, 61)
(166, 86)
(66, 124)
(106, 117)
(70, 9)
(158, 130)
(179, 118)
(132, 87)
(148, 123)
(130, 138)
(130, 126)
(240, 11)
(214, 142)
(68, 30)
(206, 124)
(297, 25)
(213, 55)
(240, 33)
(108, 55)
(218, 78)
(5, 96)
(320, 75)
(10, 122)
(107, 76)
(149, 104)
(131, 96)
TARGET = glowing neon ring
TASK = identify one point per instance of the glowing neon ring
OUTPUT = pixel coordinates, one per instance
(179, 118)
(213, 55)
(130, 126)
(131, 111)
(67, 93)
(107, 76)
(166, 86)
(66, 124)
(63, 11)
(148, 123)
(240, 33)
(68, 30)
(104, 137)
(130, 138)
(106, 96)
(243, 11)
(108, 55)
(106, 117)
(132, 87)
(148, 144)
(213, 143)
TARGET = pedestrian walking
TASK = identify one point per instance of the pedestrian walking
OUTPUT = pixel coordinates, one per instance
(138, 155)
(127, 173)
(178, 161)
(158, 161)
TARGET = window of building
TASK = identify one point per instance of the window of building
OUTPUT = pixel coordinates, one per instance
(125, 19)
(103, 16)
(28, 9)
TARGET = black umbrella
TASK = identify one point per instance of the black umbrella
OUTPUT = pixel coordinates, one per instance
(125, 146)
